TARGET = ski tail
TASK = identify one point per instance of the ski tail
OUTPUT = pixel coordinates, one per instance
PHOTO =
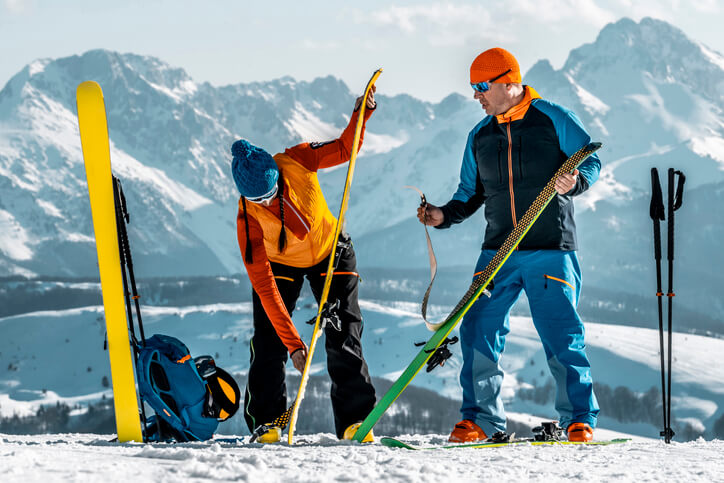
(317, 332)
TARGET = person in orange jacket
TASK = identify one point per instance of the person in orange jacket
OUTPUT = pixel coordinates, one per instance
(285, 232)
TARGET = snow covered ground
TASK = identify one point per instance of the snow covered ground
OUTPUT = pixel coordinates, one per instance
(320, 457)
(620, 356)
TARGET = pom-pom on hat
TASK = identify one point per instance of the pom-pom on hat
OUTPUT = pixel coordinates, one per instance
(492, 63)
(255, 171)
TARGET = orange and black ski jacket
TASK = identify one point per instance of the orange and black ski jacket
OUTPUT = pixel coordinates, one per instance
(508, 160)
(308, 223)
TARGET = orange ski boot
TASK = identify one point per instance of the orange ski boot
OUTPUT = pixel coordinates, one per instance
(580, 433)
(467, 431)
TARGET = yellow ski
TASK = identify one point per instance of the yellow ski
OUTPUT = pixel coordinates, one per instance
(330, 269)
(96, 153)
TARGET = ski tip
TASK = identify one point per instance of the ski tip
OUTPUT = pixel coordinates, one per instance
(433, 327)
(594, 146)
(88, 86)
(395, 443)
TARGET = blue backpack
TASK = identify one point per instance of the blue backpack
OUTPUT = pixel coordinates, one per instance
(190, 396)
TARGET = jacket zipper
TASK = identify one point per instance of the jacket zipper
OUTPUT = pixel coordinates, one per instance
(510, 176)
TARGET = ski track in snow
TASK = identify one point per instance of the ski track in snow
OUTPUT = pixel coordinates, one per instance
(320, 457)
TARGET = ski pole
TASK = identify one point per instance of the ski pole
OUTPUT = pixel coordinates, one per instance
(122, 218)
(674, 203)
(657, 213)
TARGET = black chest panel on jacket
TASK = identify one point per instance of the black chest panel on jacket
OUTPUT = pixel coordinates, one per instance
(521, 157)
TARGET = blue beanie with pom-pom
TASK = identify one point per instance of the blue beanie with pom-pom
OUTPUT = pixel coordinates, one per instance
(255, 171)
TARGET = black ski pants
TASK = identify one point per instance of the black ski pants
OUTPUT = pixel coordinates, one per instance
(353, 396)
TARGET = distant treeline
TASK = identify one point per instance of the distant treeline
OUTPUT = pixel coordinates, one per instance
(95, 418)
(21, 295)
(627, 406)
(416, 411)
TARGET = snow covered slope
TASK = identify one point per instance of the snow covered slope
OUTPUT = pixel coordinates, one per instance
(620, 356)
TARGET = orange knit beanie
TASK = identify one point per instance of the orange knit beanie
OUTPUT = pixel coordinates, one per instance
(492, 63)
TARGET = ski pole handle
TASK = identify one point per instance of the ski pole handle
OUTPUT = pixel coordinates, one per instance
(656, 211)
(679, 190)
(674, 203)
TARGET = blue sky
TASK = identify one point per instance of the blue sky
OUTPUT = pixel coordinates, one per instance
(425, 47)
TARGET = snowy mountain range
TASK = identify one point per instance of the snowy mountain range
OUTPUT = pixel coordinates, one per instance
(650, 94)
(170, 140)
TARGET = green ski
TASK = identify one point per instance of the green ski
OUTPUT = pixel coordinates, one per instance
(436, 347)
(396, 443)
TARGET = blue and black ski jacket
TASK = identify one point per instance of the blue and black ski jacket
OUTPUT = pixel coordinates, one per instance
(508, 160)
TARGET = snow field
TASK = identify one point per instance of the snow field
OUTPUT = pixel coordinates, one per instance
(320, 457)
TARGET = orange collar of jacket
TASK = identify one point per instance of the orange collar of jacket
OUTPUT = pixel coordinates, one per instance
(517, 112)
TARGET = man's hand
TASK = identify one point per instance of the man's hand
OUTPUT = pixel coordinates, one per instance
(299, 358)
(566, 182)
(371, 104)
(430, 215)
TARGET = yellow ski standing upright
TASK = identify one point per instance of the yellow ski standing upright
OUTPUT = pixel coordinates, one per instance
(96, 153)
(330, 269)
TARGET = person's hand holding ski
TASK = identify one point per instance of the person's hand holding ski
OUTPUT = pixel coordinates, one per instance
(566, 182)
(299, 358)
(371, 104)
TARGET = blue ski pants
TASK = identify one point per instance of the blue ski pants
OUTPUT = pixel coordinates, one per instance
(552, 282)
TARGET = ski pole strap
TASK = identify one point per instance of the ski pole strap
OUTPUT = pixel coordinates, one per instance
(430, 254)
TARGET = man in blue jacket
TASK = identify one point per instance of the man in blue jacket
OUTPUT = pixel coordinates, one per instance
(509, 157)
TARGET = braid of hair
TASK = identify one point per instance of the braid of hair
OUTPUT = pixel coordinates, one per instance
(248, 258)
(282, 233)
